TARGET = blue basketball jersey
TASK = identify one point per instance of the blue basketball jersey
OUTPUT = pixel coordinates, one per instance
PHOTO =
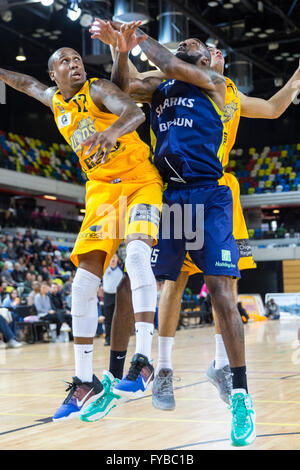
(186, 134)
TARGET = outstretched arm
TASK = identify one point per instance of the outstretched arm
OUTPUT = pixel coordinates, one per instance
(274, 107)
(28, 85)
(106, 94)
(202, 76)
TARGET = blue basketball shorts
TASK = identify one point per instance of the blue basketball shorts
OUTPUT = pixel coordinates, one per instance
(198, 220)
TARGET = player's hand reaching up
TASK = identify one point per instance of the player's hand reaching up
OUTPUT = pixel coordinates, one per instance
(105, 141)
(126, 38)
(103, 30)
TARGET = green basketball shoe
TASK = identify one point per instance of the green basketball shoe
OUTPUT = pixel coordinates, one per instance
(243, 419)
(108, 400)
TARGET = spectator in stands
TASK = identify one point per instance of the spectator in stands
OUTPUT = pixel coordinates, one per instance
(272, 310)
(11, 252)
(67, 288)
(27, 284)
(8, 335)
(18, 275)
(35, 290)
(3, 291)
(47, 245)
(45, 273)
(6, 275)
(43, 307)
(11, 301)
(60, 308)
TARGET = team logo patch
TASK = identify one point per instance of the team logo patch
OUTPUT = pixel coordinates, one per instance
(64, 120)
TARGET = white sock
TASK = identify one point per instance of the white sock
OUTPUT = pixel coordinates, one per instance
(165, 345)
(144, 335)
(84, 361)
(221, 358)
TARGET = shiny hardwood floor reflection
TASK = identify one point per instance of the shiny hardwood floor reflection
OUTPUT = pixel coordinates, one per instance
(31, 389)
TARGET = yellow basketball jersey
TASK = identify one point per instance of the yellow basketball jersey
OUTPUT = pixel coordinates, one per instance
(231, 117)
(79, 118)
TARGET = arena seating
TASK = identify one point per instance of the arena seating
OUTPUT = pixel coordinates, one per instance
(32, 156)
(273, 169)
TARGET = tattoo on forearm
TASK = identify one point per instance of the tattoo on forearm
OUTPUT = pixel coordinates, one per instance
(24, 83)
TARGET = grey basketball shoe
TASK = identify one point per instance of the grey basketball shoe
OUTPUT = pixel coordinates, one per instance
(162, 391)
(222, 380)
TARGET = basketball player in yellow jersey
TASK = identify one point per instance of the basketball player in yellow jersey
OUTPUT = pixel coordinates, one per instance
(123, 201)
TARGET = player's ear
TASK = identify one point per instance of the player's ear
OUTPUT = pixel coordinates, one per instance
(52, 75)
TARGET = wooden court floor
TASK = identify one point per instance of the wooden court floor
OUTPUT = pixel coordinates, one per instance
(31, 389)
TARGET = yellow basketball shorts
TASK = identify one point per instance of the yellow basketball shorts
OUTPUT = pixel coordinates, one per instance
(240, 232)
(116, 210)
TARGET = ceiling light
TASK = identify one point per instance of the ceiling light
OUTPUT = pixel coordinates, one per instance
(296, 55)
(276, 211)
(36, 35)
(235, 1)
(272, 46)
(53, 37)
(256, 29)
(86, 20)
(136, 51)
(40, 30)
(270, 31)
(285, 54)
(52, 198)
(47, 34)
(249, 34)
(21, 57)
(227, 5)
(74, 12)
(47, 3)
(290, 59)
(6, 16)
(56, 31)
(212, 4)
(262, 35)
(278, 81)
(278, 57)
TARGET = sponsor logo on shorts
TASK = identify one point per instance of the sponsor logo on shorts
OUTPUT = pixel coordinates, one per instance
(225, 265)
(244, 248)
(226, 255)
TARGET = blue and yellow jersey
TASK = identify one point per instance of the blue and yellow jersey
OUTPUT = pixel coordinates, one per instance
(79, 118)
(186, 134)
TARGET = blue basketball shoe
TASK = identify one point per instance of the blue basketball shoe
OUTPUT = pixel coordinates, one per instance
(138, 380)
(81, 394)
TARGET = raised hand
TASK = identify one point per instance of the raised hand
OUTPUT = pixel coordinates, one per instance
(126, 37)
(103, 30)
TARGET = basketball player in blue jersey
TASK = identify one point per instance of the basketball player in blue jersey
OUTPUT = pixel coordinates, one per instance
(186, 112)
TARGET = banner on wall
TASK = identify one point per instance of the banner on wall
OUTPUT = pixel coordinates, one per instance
(253, 305)
(289, 304)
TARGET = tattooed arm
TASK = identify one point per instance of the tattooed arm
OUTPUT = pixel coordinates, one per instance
(109, 98)
(28, 85)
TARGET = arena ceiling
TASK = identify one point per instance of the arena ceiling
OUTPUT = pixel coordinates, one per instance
(264, 33)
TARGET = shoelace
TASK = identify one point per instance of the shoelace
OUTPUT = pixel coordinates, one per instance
(135, 370)
(239, 410)
(72, 387)
(166, 384)
(228, 381)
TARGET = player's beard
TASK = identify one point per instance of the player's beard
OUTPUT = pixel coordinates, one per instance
(191, 59)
